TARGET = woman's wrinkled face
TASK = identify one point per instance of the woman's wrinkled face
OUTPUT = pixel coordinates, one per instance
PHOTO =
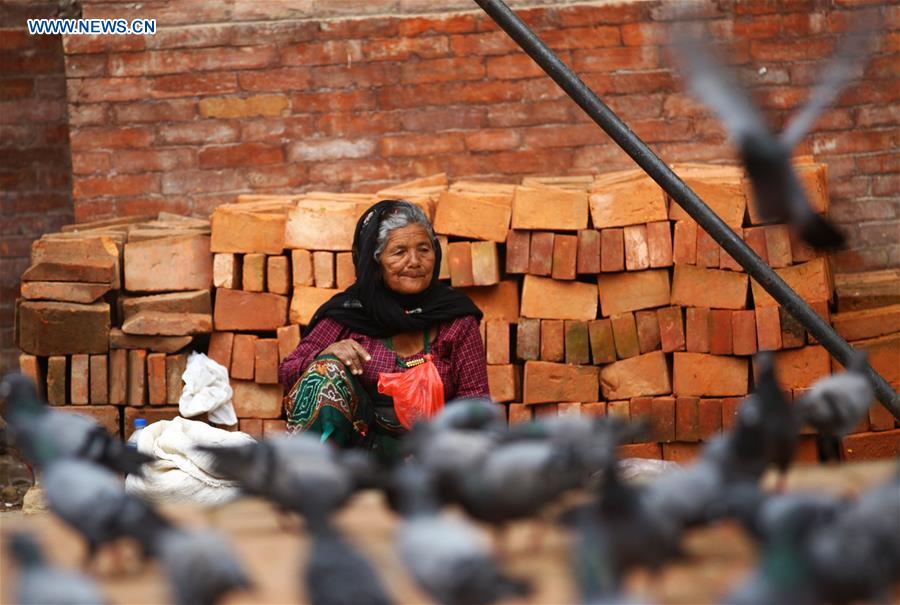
(407, 261)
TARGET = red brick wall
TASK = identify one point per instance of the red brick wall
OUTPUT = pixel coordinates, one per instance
(35, 170)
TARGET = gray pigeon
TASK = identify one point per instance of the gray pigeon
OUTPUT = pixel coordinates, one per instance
(200, 566)
(836, 404)
(93, 501)
(39, 583)
(337, 574)
(446, 556)
(777, 191)
(295, 472)
(73, 435)
(474, 414)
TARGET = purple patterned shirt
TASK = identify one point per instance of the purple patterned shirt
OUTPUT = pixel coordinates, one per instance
(457, 351)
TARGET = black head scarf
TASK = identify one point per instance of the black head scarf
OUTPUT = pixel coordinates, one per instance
(370, 307)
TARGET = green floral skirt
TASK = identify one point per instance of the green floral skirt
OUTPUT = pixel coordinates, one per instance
(328, 400)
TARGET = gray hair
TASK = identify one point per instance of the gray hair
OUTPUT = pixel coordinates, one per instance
(403, 215)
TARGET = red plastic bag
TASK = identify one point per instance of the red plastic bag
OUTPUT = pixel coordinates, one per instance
(418, 393)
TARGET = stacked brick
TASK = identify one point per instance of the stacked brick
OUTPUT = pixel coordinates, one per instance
(108, 311)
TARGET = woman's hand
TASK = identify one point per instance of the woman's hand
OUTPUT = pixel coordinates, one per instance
(350, 353)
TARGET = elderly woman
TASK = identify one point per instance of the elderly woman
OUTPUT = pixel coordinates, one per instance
(386, 322)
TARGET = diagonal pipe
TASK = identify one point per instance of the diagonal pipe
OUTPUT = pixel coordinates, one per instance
(681, 193)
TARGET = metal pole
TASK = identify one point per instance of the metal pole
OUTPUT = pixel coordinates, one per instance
(681, 193)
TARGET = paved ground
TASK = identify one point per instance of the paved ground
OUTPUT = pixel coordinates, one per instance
(719, 555)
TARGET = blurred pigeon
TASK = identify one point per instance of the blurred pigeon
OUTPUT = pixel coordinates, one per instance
(777, 417)
(200, 566)
(474, 414)
(295, 472)
(40, 584)
(73, 435)
(447, 557)
(777, 191)
(337, 574)
(836, 404)
(93, 501)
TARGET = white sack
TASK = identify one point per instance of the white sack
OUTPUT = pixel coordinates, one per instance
(206, 389)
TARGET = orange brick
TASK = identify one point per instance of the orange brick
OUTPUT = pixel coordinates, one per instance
(323, 268)
(504, 382)
(743, 326)
(726, 261)
(288, 339)
(612, 250)
(697, 330)
(253, 273)
(687, 418)
(156, 379)
(239, 310)
(723, 188)
(594, 408)
(555, 299)
(500, 301)
(99, 379)
(175, 366)
(497, 337)
(633, 290)
(150, 414)
(625, 335)
(682, 453)
(867, 323)
(647, 331)
(627, 197)
(651, 451)
(884, 353)
(619, 409)
(603, 347)
(518, 249)
(266, 361)
(700, 375)
(345, 271)
(662, 419)
(29, 366)
(137, 377)
(730, 406)
(883, 445)
(811, 280)
(793, 334)
(755, 237)
(822, 310)
(471, 217)
(542, 207)
(540, 259)
(565, 254)
(220, 345)
(553, 340)
(444, 270)
(322, 224)
(641, 409)
(637, 252)
(302, 268)
(227, 270)
(641, 376)
(485, 264)
(528, 339)
(709, 418)
(800, 368)
(707, 250)
(880, 418)
(304, 304)
(243, 356)
(671, 329)
(720, 332)
(79, 379)
(684, 248)
(713, 288)
(520, 413)
(238, 231)
(578, 347)
(568, 408)
(807, 451)
(278, 275)
(553, 382)
(57, 380)
(273, 426)
(659, 244)
(778, 246)
(251, 426)
(118, 376)
(768, 328)
(546, 410)
(800, 250)
(588, 256)
(252, 400)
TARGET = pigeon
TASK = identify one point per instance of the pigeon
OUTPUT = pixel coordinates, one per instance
(836, 404)
(39, 583)
(75, 435)
(200, 566)
(475, 414)
(446, 556)
(778, 422)
(337, 574)
(777, 191)
(297, 472)
(92, 500)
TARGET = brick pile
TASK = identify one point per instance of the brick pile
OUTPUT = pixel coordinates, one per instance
(600, 296)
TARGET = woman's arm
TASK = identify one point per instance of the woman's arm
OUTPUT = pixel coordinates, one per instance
(468, 360)
(325, 333)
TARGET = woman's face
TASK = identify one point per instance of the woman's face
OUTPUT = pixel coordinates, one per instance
(407, 261)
